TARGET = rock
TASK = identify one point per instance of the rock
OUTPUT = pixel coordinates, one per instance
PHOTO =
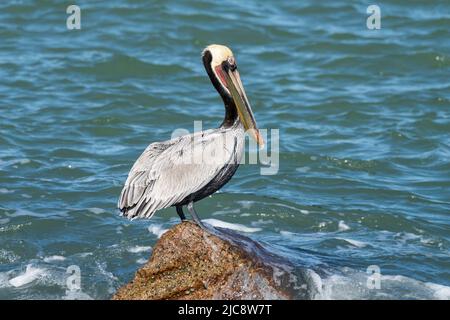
(190, 263)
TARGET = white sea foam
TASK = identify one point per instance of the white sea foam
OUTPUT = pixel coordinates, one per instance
(303, 169)
(85, 254)
(31, 274)
(109, 276)
(76, 295)
(315, 284)
(4, 280)
(232, 226)
(54, 258)
(24, 213)
(355, 243)
(138, 249)
(407, 237)
(96, 210)
(13, 227)
(227, 212)
(5, 191)
(287, 234)
(342, 226)
(351, 284)
(24, 161)
(38, 276)
(440, 292)
(260, 222)
(416, 289)
(157, 230)
(429, 241)
(141, 261)
(285, 206)
(8, 256)
(246, 204)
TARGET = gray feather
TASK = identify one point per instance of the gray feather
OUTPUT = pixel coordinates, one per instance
(169, 171)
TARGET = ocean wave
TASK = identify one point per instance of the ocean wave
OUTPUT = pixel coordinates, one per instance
(358, 285)
(232, 226)
(31, 274)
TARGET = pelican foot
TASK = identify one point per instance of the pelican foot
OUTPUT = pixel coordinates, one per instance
(195, 217)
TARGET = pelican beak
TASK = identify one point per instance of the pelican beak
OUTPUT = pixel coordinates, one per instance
(244, 110)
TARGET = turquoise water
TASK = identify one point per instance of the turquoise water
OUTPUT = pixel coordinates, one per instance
(364, 120)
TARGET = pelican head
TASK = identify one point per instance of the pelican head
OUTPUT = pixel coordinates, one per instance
(221, 67)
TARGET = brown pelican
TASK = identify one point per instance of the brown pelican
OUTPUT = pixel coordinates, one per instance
(186, 169)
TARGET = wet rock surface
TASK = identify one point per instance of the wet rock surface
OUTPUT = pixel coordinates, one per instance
(190, 263)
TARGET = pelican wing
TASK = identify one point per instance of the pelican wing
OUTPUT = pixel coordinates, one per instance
(167, 172)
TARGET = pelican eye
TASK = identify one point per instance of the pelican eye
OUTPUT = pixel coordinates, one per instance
(232, 63)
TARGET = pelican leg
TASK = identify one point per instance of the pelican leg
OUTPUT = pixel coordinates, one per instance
(181, 213)
(194, 215)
